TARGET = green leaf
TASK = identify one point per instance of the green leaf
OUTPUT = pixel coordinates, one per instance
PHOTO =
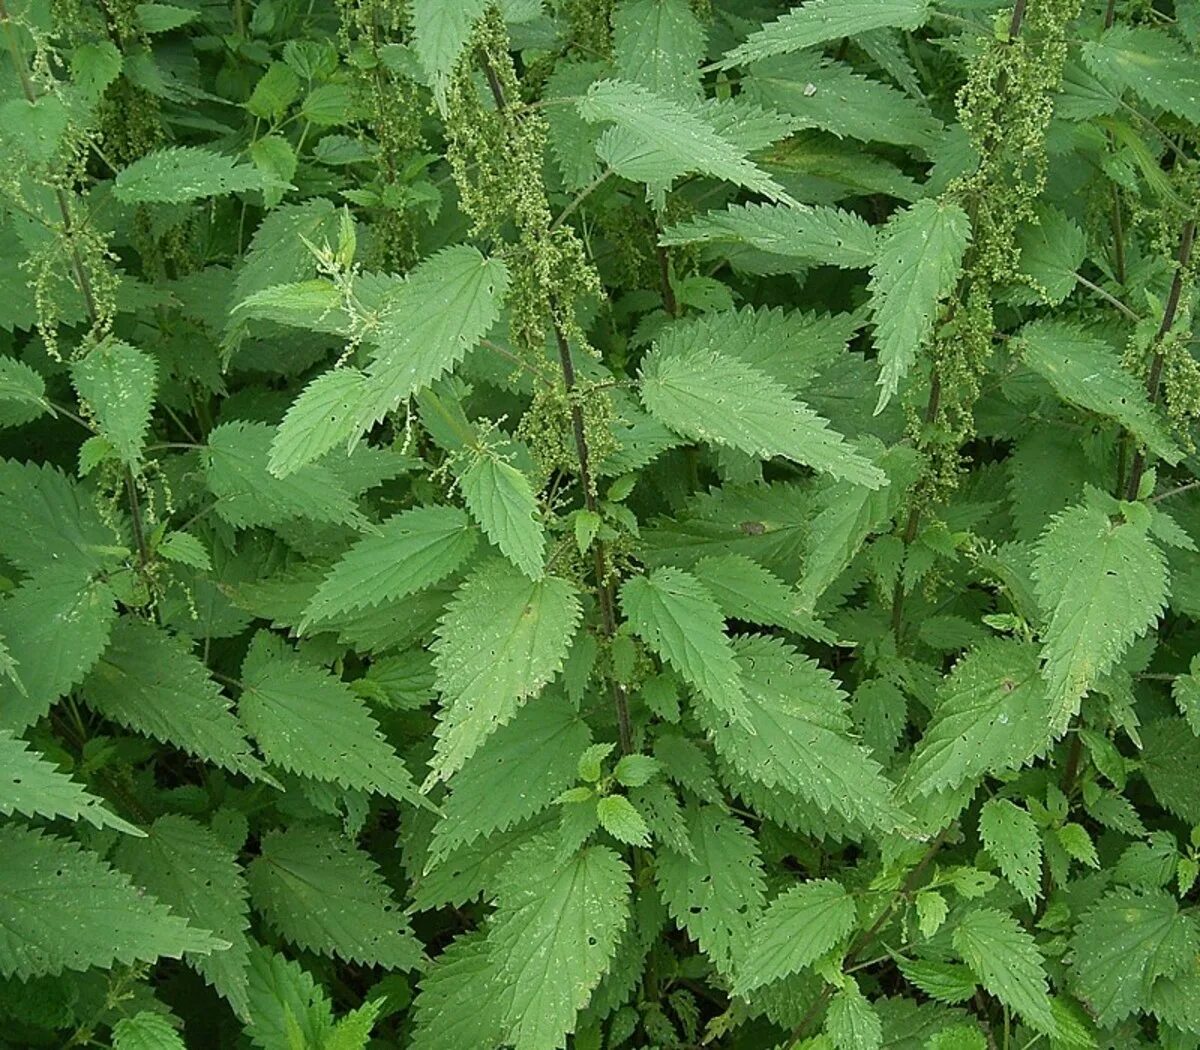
(622, 821)
(1169, 760)
(353, 1032)
(1151, 65)
(1085, 371)
(33, 786)
(249, 494)
(63, 908)
(184, 173)
(162, 18)
(427, 324)
(553, 935)
(1101, 583)
(462, 1002)
(1052, 250)
(851, 1022)
(846, 515)
(800, 737)
(717, 893)
(1122, 944)
(22, 393)
(118, 382)
(500, 641)
(811, 236)
(945, 982)
(657, 139)
(501, 499)
(990, 717)
(284, 999)
(1007, 962)
(1010, 835)
(678, 618)
(187, 867)
(411, 551)
(184, 549)
(819, 21)
(539, 749)
(56, 625)
(50, 521)
(441, 30)
(151, 682)
(659, 44)
(146, 1030)
(920, 261)
(820, 93)
(323, 893)
(798, 927)
(707, 396)
(309, 722)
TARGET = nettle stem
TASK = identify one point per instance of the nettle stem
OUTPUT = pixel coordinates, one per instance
(605, 594)
(1154, 378)
(78, 269)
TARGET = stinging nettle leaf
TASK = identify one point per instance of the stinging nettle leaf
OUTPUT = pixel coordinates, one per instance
(500, 641)
(502, 500)
(707, 396)
(184, 173)
(819, 21)
(118, 382)
(411, 551)
(920, 260)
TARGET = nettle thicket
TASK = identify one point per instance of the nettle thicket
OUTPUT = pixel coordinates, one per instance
(645, 524)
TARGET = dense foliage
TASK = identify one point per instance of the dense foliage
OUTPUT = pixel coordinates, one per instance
(599, 523)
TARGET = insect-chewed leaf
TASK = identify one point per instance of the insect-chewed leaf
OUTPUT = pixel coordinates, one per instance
(86, 914)
(1005, 958)
(1010, 834)
(659, 44)
(1087, 372)
(185, 173)
(118, 382)
(797, 928)
(553, 935)
(502, 638)
(1151, 64)
(186, 867)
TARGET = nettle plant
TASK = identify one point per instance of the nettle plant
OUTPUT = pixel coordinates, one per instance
(599, 524)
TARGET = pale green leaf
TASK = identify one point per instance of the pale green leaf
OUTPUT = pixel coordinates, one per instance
(1151, 65)
(184, 173)
(500, 641)
(819, 21)
(284, 998)
(810, 235)
(1123, 943)
(1087, 372)
(1101, 584)
(118, 382)
(539, 749)
(441, 30)
(622, 821)
(1007, 962)
(717, 893)
(990, 717)
(186, 866)
(657, 139)
(149, 681)
(852, 1022)
(678, 618)
(659, 44)
(55, 624)
(1010, 835)
(553, 935)
(502, 500)
(146, 1030)
(920, 260)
